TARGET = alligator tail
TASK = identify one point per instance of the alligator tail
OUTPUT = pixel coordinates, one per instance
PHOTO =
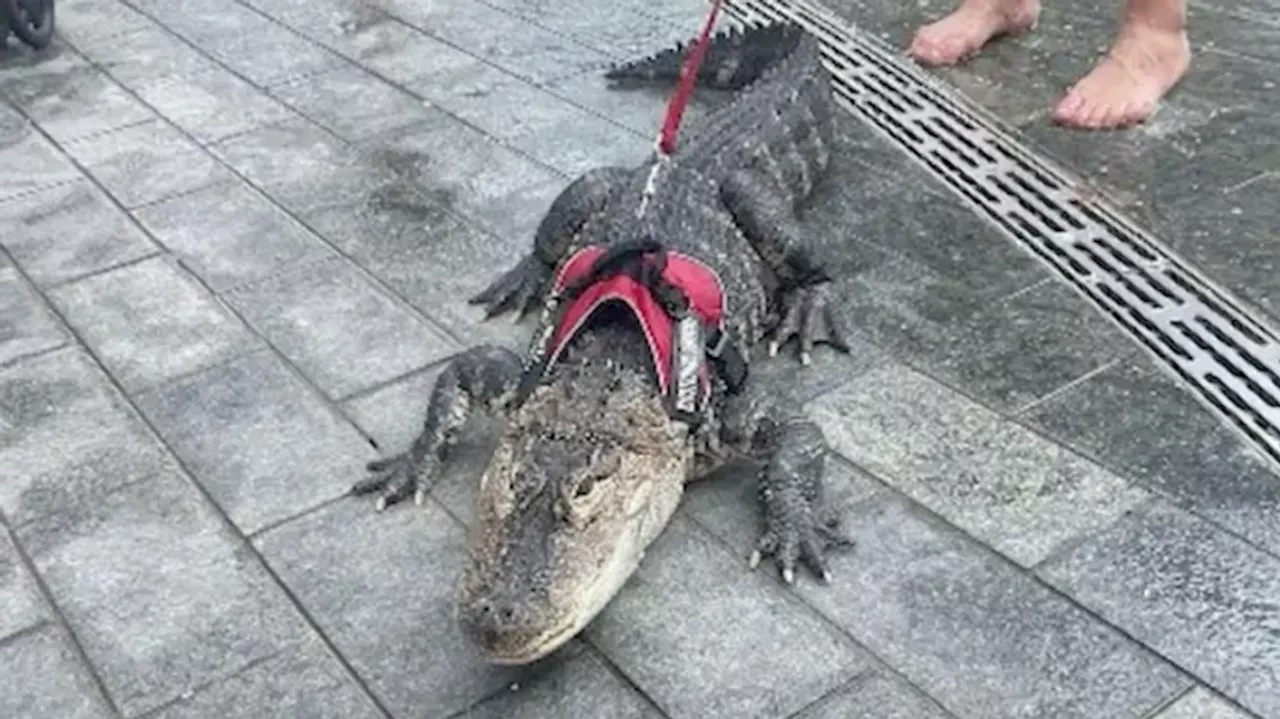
(735, 58)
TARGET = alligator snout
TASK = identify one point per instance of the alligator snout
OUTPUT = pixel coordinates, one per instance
(503, 629)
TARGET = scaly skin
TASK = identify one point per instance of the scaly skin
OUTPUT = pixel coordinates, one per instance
(590, 467)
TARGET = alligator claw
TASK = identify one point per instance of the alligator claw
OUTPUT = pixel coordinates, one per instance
(520, 288)
(798, 537)
(807, 315)
(394, 480)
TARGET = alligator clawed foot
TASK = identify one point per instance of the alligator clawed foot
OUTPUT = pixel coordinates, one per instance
(807, 315)
(804, 538)
(521, 288)
(394, 480)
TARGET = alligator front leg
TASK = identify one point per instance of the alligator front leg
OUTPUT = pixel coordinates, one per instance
(480, 377)
(798, 526)
(523, 286)
(769, 224)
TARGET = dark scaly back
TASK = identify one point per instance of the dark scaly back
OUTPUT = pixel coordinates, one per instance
(782, 123)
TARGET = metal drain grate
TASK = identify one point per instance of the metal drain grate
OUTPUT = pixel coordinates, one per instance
(1230, 360)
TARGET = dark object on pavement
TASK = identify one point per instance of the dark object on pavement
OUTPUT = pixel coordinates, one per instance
(32, 21)
(655, 281)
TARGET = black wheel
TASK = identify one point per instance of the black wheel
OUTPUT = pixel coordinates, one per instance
(31, 21)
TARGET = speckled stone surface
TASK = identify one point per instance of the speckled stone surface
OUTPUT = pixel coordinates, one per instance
(237, 241)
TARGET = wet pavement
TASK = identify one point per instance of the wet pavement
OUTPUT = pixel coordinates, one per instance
(238, 238)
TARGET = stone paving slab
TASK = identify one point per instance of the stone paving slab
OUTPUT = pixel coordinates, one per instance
(21, 605)
(1201, 703)
(69, 231)
(74, 437)
(300, 680)
(144, 163)
(215, 422)
(41, 676)
(162, 597)
(1158, 572)
(150, 322)
(287, 204)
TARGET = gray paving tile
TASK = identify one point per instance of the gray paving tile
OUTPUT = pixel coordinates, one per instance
(212, 105)
(68, 231)
(581, 687)
(696, 630)
(877, 696)
(356, 338)
(1135, 418)
(302, 680)
(499, 38)
(1228, 236)
(249, 44)
(260, 441)
(440, 277)
(70, 435)
(78, 102)
(86, 23)
(40, 677)
(639, 109)
(26, 325)
(973, 632)
(1201, 703)
(1197, 595)
(1007, 353)
(302, 168)
(400, 53)
(151, 563)
(150, 322)
(148, 55)
(352, 103)
(555, 132)
(381, 587)
(230, 234)
(1017, 492)
(21, 605)
(621, 30)
(462, 169)
(147, 162)
(28, 162)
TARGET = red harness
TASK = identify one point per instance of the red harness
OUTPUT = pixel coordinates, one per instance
(678, 302)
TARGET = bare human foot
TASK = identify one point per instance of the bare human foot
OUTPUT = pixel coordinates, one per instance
(1126, 85)
(969, 27)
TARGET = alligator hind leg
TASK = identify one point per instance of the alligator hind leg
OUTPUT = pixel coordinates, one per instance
(480, 377)
(798, 526)
(768, 221)
(523, 286)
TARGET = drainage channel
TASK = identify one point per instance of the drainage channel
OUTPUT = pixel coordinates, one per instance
(1198, 331)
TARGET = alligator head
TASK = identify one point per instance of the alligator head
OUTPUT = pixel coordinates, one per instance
(586, 474)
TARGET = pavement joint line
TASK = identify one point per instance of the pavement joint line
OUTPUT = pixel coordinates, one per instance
(19, 634)
(198, 689)
(1155, 711)
(159, 252)
(186, 471)
(407, 91)
(466, 51)
(59, 617)
(768, 568)
(15, 361)
(983, 548)
(1066, 388)
(182, 194)
(1219, 349)
(24, 194)
(98, 134)
(373, 389)
(374, 280)
(369, 276)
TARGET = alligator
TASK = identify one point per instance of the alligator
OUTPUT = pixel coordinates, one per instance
(654, 283)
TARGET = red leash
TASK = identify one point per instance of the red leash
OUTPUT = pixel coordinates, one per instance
(684, 89)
